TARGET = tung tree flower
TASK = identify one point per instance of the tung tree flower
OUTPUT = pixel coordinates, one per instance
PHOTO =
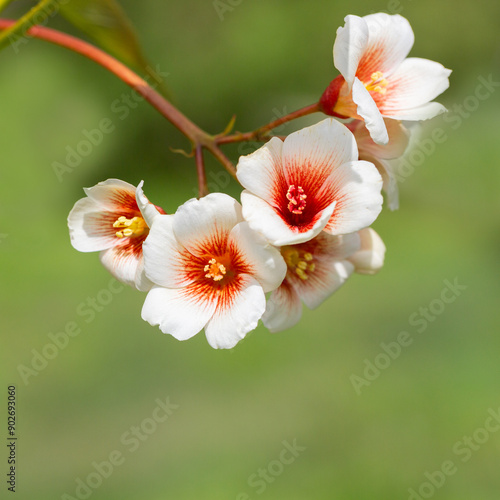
(311, 181)
(379, 155)
(316, 269)
(377, 79)
(114, 219)
(210, 271)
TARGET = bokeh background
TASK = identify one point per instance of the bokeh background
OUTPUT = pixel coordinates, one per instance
(236, 408)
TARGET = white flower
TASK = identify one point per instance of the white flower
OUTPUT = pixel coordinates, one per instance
(380, 155)
(114, 219)
(377, 79)
(311, 181)
(210, 271)
(316, 269)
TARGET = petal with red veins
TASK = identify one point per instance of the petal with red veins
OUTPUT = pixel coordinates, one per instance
(114, 194)
(415, 83)
(328, 276)
(370, 258)
(91, 229)
(349, 47)
(167, 263)
(266, 263)
(312, 153)
(283, 308)
(367, 109)
(326, 246)
(261, 172)
(357, 187)
(180, 312)
(235, 317)
(201, 226)
(390, 40)
(122, 261)
(266, 220)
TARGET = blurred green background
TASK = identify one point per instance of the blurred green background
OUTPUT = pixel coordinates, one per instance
(235, 408)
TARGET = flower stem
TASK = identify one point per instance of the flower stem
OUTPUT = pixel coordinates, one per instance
(200, 169)
(260, 134)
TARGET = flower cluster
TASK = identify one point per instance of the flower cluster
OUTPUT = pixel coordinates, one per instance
(303, 225)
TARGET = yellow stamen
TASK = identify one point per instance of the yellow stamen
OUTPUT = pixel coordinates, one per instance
(301, 263)
(214, 270)
(130, 227)
(377, 83)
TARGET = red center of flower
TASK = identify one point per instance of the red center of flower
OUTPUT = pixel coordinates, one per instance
(297, 199)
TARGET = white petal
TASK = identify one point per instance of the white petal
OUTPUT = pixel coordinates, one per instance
(264, 219)
(328, 276)
(206, 222)
(142, 283)
(164, 258)
(415, 83)
(112, 193)
(425, 112)
(90, 229)
(370, 258)
(283, 309)
(148, 210)
(268, 266)
(122, 263)
(390, 41)
(368, 110)
(390, 185)
(312, 153)
(350, 45)
(177, 312)
(329, 247)
(230, 324)
(357, 185)
(399, 137)
(262, 170)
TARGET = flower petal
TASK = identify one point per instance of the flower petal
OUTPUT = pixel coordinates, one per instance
(148, 210)
(399, 137)
(369, 112)
(328, 276)
(390, 40)
(349, 47)
(142, 283)
(283, 308)
(312, 153)
(425, 112)
(370, 258)
(415, 83)
(261, 171)
(357, 187)
(91, 229)
(230, 323)
(202, 226)
(123, 261)
(264, 219)
(167, 263)
(114, 195)
(267, 264)
(179, 312)
(390, 184)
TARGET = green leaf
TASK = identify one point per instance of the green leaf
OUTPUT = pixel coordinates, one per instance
(105, 22)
